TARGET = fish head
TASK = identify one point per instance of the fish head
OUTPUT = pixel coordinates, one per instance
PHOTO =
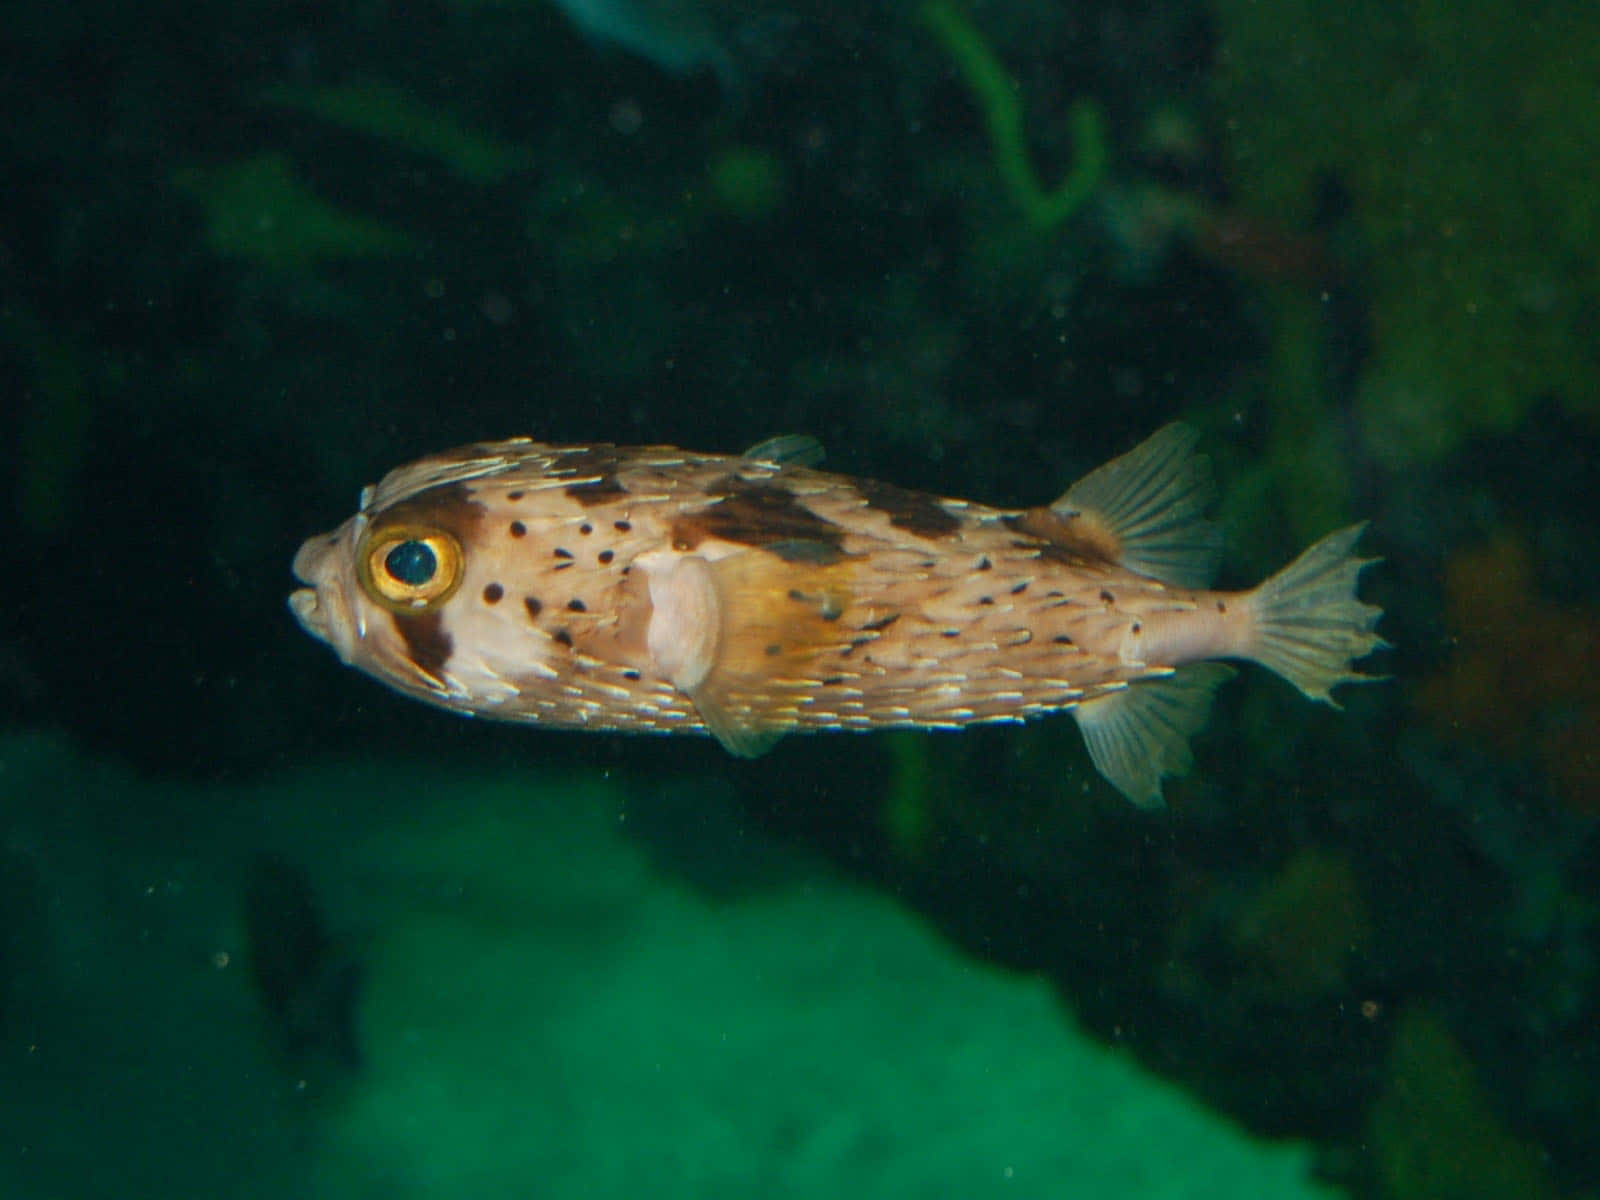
(407, 589)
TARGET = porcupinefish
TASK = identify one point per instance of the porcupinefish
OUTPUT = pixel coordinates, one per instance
(656, 590)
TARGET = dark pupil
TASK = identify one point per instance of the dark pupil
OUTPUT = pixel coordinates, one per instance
(411, 563)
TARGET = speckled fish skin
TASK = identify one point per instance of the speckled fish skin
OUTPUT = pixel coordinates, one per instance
(650, 589)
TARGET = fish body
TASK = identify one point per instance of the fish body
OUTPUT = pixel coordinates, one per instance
(654, 590)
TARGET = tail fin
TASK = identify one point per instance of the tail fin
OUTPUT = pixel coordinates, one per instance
(1310, 627)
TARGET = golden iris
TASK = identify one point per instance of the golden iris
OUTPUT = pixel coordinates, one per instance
(409, 570)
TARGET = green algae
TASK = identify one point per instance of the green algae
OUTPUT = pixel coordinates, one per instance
(1470, 170)
(256, 209)
(996, 93)
(383, 111)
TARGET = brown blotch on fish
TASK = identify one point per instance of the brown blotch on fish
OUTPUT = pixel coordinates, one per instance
(601, 462)
(915, 512)
(428, 646)
(492, 593)
(448, 506)
(1081, 534)
(596, 491)
(761, 514)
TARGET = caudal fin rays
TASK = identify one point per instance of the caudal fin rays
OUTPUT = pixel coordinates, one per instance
(1309, 625)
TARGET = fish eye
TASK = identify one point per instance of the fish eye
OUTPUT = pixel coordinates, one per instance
(410, 570)
(412, 563)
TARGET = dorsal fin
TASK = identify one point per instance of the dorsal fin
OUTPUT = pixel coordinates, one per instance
(1145, 511)
(788, 450)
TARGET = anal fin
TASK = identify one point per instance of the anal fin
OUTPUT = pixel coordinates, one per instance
(1140, 734)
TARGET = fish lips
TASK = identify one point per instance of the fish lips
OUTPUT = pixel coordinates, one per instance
(322, 607)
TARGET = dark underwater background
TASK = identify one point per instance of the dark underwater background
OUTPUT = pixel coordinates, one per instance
(269, 929)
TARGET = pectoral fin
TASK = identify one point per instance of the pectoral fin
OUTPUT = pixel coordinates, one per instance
(740, 637)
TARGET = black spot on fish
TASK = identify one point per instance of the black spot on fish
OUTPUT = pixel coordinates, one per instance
(560, 553)
(984, 564)
(773, 650)
(881, 623)
(1106, 597)
(532, 604)
(985, 599)
(562, 636)
(1020, 588)
(622, 526)
(605, 556)
(1221, 607)
(492, 593)
(834, 680)
(950, 633)
(513, 496)
(586, 529)
(1138, 628)
(518, 529)
(576, 605)
(915, 512)
(761, 514)
(631, 676)
(427, 644)
(1062, 639)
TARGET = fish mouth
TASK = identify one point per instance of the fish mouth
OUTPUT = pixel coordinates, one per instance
(319, 606)
(308, 610)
